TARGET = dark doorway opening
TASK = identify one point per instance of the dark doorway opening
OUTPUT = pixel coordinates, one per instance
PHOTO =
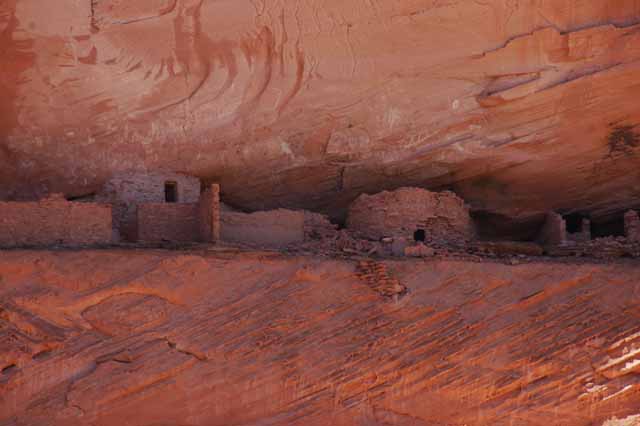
(611, 228)
(574, 223)
(171, 192)
(420, 235)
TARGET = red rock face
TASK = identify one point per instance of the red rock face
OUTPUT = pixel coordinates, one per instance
(520, 107)
(158, 338)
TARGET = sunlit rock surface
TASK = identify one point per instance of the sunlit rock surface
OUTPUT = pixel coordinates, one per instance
(148, 338)
(519, 107)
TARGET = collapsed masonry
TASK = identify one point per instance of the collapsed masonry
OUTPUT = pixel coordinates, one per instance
(560, 241)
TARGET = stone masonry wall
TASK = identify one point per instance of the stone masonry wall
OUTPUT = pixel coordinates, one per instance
(554, 230)
(127, 190)
(632, 226)
(54, 221)
(583, 235)
(209, 214)
(168, 222)
(443, 216)
(273, 229)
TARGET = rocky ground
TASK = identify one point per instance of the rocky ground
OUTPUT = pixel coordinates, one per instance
(231, 337)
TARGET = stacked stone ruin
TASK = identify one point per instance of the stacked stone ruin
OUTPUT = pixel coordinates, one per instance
(632, 226)
(443, 217)
(409, 222)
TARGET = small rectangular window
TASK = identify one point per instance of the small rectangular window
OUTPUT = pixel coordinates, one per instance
(171, 192)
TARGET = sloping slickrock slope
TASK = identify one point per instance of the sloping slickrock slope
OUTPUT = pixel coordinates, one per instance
(160, 338)
(293, 103)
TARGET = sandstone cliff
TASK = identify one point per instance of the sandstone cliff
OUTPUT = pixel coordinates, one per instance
(518, 106)
(150, 338)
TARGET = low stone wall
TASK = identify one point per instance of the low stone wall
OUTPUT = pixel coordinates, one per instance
(168, 222)
(273, 229)
(54, 221)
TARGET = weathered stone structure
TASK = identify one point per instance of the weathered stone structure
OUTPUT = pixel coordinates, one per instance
(274, 228)
(181, 222)
(412, 213)
(126, 191)
(632, 226)
(52, 221)
(554, 230)
(583, 233)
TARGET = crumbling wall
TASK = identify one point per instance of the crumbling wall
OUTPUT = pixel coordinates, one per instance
(209, 214)
(168, 222)
(127, 190)
(318, 227)
(54, 221)
(583, 235)
(554, 230)
(274, 229)
(442, 215)
(632, 226)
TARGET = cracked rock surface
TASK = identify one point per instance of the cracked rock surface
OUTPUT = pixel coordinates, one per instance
(514, 105)
(151, 338)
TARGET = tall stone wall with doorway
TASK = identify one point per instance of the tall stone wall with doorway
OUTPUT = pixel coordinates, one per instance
(126, 191)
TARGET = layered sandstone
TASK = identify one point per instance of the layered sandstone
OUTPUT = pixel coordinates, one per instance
(153, 338)
(520, 107)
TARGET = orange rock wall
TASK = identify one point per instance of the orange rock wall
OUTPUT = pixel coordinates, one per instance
(521, 107)
(107, 338)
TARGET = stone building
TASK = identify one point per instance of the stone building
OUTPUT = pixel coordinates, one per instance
(559, 230)
(126, 191)
(411, 213)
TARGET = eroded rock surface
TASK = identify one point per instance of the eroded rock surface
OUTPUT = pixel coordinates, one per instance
(520, 107)
(153, 338)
